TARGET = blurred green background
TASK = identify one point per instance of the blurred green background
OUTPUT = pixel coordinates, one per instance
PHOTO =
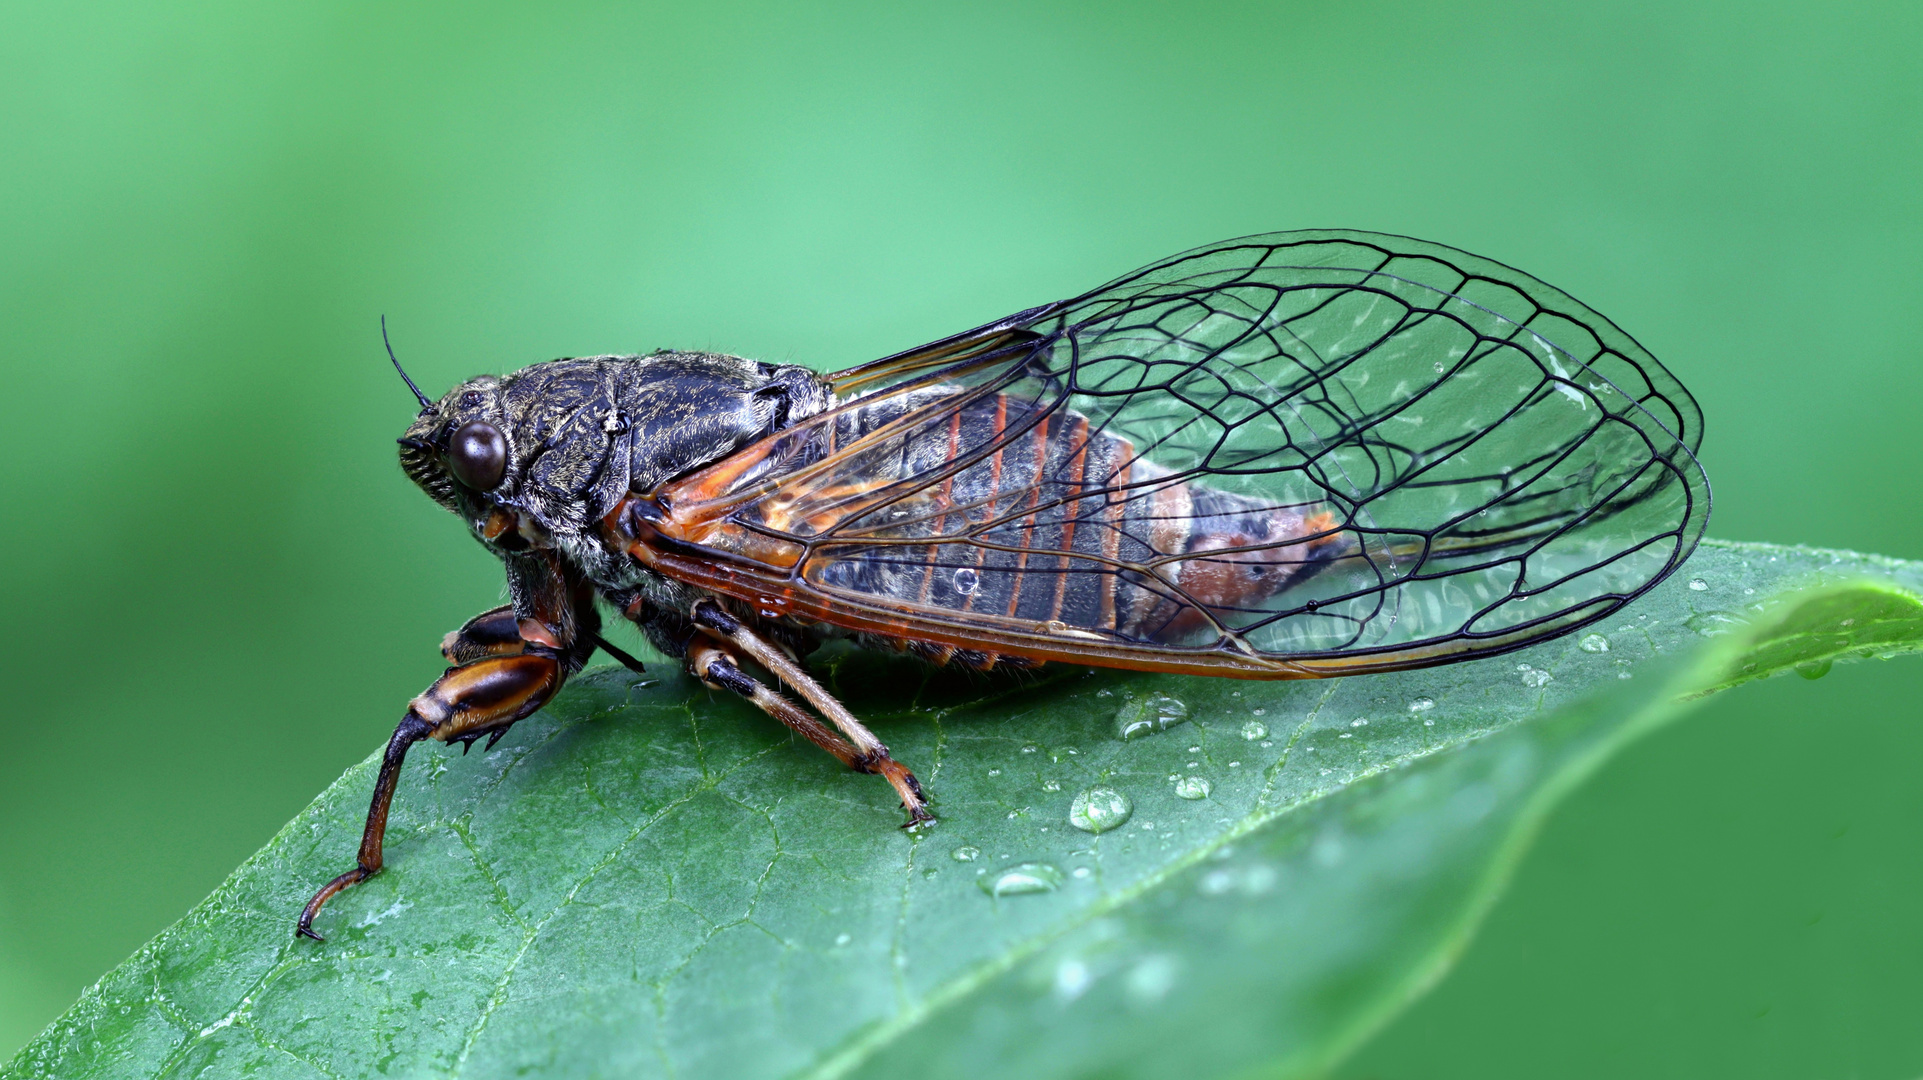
(221, 591)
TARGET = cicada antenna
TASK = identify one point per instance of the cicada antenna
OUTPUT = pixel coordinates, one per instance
(427, 407)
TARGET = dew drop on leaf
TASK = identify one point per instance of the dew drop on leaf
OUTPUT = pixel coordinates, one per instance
(1698, 585)
(1100, 809)
(1422, 704)
(1254, 730)
(1712, 623)
(1593, 643)
(1149, 715)
(1023, 879)
(1814, 669)
(966, 853)
(1194, 787)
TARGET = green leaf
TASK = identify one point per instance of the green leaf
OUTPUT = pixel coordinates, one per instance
(649, 879)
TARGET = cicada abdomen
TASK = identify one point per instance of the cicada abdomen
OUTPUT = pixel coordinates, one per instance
(1050, 520)
(995, 509)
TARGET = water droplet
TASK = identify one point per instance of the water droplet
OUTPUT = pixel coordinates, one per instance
(1593, 643)
(1814, 669)
(1428, 723)
(1030, 748)
(1151, 980)
(843, 939)
(1258, 712)
(1441, 367)
(1534, 678)
(1051, 785)
(967, 581)
(1148, 715)
(1254, 730)
(1099, 809)
(966, 853)
(1082, 871)
(1194, 787)
(1071, 979)
(1698, 585)
(1358, 723)
(1023, 879)
(1235, 764)
(994, 772)
(1217, 882)
(1712, 623)
(1422, 704)
(1265, 744)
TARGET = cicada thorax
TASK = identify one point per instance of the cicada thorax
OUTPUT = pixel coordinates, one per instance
(997, 511)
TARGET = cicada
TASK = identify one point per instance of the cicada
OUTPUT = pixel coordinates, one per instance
(1288, 456)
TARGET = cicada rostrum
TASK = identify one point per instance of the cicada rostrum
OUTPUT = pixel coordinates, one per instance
(1289, 456)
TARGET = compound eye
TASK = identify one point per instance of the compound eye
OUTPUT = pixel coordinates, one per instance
(477, 455)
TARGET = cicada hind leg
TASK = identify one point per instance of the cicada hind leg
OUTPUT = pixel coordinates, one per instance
(715, 658)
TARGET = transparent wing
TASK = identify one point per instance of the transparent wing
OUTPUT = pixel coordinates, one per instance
(1293, 454)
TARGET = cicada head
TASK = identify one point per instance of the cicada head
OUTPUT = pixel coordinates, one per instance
(550, 449)
(456, 450)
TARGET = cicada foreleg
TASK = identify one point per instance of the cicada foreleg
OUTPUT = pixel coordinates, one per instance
(507, 667)
(483, 698)
(710, 660)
